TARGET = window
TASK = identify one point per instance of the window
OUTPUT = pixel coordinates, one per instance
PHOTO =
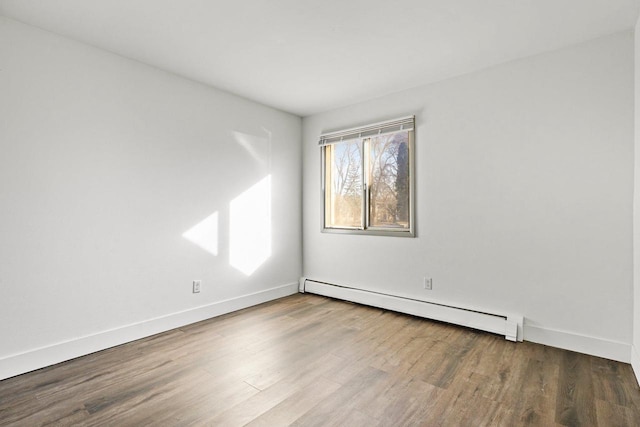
(368, 179)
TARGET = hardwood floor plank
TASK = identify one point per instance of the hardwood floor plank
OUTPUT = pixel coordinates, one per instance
(313, 361)
(292, 380)
(612, 415)
(575, 402)
(403, 401)
(296, 405)
(534, 404)
(358, 392)
(609, 384)
(191, 400)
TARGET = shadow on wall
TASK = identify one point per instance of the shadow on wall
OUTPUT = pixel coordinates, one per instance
(249, 214)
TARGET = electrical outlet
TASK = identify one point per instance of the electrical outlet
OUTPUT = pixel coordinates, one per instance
(196, 286)
(427, 283)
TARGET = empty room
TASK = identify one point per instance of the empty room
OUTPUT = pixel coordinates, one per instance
(319, 213)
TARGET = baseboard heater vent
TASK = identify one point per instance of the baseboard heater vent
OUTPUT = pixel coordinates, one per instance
(508, 325)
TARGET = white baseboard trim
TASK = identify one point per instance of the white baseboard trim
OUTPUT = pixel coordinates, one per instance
(17, 364)
(593, 346)
(635, 362)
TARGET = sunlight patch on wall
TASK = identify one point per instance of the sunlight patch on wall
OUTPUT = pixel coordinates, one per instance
(259, 148)
(205, 234)
(250, 227)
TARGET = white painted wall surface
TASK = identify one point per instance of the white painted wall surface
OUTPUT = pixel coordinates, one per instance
(104, 164)
(524, 190)
(635, 351)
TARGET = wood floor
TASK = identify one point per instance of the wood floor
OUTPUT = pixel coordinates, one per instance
(312, 361)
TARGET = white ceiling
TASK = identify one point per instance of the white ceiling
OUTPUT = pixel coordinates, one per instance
(308, 56)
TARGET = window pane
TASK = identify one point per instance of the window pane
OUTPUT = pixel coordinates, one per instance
(344, 184)
(389, 181)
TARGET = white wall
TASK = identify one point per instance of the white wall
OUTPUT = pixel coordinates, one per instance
(104, 164)
(635, 353)
(524, 196)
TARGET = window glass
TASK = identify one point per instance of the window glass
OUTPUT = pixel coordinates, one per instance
(389, 181)
(345, 182)
(368, 179)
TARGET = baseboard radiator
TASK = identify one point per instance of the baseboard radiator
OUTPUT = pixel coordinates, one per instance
(502, 324)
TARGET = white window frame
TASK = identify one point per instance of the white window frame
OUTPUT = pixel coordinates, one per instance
(362, 133)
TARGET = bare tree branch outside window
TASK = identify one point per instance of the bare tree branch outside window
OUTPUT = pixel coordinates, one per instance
(371, 172)
(346, 184)
(389, 190)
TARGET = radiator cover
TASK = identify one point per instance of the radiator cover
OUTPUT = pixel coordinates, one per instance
(508, 325)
